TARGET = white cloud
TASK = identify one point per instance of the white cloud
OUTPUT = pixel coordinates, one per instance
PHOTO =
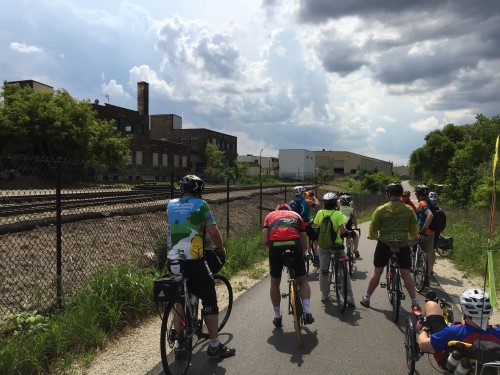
(380, 130)
(425, 125)
(113, 89)
(25, 48)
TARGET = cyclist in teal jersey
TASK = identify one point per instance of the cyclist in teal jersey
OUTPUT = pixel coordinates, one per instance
(189, 218)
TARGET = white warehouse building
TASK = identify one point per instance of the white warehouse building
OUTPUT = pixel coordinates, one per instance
(297, 164)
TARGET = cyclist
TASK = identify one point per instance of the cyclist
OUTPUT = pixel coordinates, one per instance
(476, 311)
(425, 235)
(188, 219)
(348, 213)
(303, 207)
(433, 197)
(338, 221)
(405, 198)
(285, 229)
(392, 220)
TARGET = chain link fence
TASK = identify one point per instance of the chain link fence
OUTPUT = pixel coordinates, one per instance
(59, 225)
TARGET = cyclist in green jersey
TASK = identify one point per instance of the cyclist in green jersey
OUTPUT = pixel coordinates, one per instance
(392, 220)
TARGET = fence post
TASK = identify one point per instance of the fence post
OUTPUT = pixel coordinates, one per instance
(227, 200)
(260, 205)
(59, 290)
(172, 188)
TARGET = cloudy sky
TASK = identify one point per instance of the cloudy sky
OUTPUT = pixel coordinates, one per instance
(366, 76)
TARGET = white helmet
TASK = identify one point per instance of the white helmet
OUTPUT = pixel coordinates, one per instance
(476, 305)
(299, 191)
(433, 196)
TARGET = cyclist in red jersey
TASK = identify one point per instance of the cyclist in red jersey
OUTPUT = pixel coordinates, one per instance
(405, 198)
(476, 311)
(285, 229)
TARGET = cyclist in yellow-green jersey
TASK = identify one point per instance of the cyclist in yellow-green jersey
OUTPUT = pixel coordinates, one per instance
(392, 220)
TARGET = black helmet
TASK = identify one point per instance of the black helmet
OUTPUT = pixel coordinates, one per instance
(422, 190)
(395, 189)
(191, 184)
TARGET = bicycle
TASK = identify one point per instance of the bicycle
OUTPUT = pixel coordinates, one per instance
(295, 307)
(309, 255)
(419, 267)
(349, 240)
(182, 318)
(393, 279)
(412, 349)
(338, 275)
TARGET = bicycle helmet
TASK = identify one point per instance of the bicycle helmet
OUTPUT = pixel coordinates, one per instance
(192, 184)
(395, 189)
(283, 206)
(330, 201)
(344, 200)
(476, 305)
(299, 191)
(422, 190)
(433, 196)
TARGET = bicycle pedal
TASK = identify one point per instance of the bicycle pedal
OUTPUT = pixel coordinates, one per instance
(383, 285)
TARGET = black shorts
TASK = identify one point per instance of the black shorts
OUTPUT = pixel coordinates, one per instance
(383, 253)
(312, 233)
(435, 323)
(276, 260)
(201, 282)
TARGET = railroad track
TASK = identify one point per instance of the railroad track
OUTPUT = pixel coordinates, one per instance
(15, 205)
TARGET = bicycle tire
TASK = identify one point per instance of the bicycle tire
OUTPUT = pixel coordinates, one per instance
(308, 257)
(420, 269)
(341, 285)
(350, 256)
(224, 301)
(410, 346)
(389, 284)
(169, 341)
(398, 290)
(296, 313)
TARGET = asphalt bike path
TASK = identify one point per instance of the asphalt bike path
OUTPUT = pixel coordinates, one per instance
(359, 341)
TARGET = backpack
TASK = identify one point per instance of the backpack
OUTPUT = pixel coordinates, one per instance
(438, 222)
(326, 234)
(296, 206)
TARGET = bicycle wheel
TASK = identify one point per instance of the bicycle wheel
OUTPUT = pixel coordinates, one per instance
(397, 291)
(350, 256)
(411, 346)
(341, 285)
(297, 314)
(389, 284)
(175, 344)
(308, 257)
(420, 269)
(224, 302)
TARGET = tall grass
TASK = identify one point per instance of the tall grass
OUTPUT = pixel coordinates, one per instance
(118, 296)
(470, 231)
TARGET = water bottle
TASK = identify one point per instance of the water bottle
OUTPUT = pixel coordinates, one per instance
(453, 360)
(463, 367)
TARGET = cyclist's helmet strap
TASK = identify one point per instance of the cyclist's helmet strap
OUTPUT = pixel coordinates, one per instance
(476, 305)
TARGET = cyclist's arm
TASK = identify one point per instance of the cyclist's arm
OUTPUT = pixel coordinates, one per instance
(303, 241)
(265, 237)
(428, 218)
(216, 238)
(424, 341)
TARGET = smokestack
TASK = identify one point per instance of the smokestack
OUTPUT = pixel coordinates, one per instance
(143, 98)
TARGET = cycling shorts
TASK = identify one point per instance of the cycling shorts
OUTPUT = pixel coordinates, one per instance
(276, 260)
(201, 283)
(312, 233)
(427, 244)
(383, 253)
(435, 323)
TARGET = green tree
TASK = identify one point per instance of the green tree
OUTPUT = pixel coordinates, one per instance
(215, 163)
(54, 124)
(376, 182)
